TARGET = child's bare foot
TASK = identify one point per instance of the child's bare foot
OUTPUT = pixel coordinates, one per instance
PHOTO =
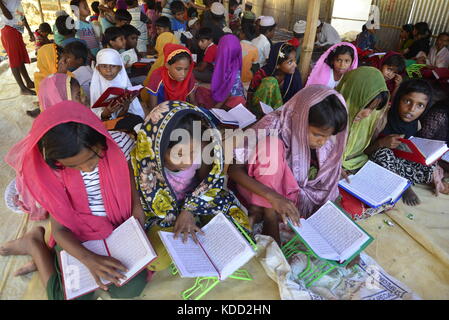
(410, 198)
(22, 245)
(27, 92)
(25, 269)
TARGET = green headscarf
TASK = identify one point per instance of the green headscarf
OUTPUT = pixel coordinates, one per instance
(359, 87)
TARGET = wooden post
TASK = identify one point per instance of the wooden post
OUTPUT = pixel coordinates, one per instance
(40, 11)
(59, 5)
(313, 13)
(291, 15)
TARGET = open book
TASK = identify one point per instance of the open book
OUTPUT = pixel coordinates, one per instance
(237, 116)
(266, 109)
(128, 244)
(420, 150)
(332, 235)
(375, 185)
(445, 157)
(220, 252)
(114, 93)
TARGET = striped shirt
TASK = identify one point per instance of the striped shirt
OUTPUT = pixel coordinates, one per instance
(86, 32)
(92, 179)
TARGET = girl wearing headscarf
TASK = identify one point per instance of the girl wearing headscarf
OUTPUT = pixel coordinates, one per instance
(333, 64)
(295, 166)
(180, 188)
(163, 39)
(366, 95)
(174, 80)
(278, 81)
(413, 99)
(79, 173)
(392, 66)
(226, 89)
(110, 72)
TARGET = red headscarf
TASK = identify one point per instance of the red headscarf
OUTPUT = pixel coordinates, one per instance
(62, 192)
(175, 90)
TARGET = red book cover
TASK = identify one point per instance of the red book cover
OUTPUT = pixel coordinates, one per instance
(116, 93)
(408, 151)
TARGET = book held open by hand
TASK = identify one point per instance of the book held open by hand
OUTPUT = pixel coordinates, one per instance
(220, 251)
(375, 185)
(128, 243)
(420, 150)
(114, 93)
(332, 235)
(238, 116)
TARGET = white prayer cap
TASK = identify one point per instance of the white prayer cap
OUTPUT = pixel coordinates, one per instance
(318, 23)
(192, 22)
(267, 21)
(217, 8)
(300, 26)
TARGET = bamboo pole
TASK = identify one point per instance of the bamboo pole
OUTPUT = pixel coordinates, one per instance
(40, 11)
(313, 13)
(59, 5)
(291, 15)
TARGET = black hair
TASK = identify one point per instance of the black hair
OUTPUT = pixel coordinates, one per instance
(265, 30)
(151, 4)
(364, 28)
(176, 7)
(180, 56)
(192, 13)
(383, 96)
(216, 17)
(78, 49)
(423, 29)
(76, 3)
(94, 6)
(409, 29)
(286, 49)
(248, 6)
(45, 27)
(67, 140)
(339, 51)
(446, 34)
(130, 2)
(249, 30)
(329, 113)
(129, 30)
(298, 35)
(413, 85)
(208, 3)
(395, 61)
(186, 122)
(163, 22)
(123, 15)
(158, 7)
(205, 33)
(61, 25)
(111, 34)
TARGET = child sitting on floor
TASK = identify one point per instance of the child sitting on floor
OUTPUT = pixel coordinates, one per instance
(178, 11)
(66, 28)
(85, 29)
(114, 38)
(437, 61)
(204, 70)
(130, 56)
(250, 54)
(79, 173)
(41, 35)
(392, 66)
(333, 64)
(110, 72)
(174, 80)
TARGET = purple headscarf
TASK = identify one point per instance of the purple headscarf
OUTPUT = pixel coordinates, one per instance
(227, 66)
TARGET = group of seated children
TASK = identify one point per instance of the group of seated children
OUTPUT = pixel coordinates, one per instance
(91, 169)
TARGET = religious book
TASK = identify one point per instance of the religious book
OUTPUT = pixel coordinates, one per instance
(219, 253)
(114, 93)
(266, 109)
(128, 243)
(332, 235)
(420, 150)
(238, 116)
(375, 185)
(129, 57)
(445, 157)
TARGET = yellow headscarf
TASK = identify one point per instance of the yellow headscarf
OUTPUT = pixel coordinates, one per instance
(162, 40)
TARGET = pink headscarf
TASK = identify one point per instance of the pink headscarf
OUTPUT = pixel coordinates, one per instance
(62, 192)
(53, 89)
(321, 73)
(291, 125)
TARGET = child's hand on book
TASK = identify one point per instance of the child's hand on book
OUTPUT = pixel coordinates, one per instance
(391, 141)
(185, 224)
(106, 268)
(285, 208)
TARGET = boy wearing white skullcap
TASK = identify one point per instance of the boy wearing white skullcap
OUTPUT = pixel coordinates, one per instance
(263, 41)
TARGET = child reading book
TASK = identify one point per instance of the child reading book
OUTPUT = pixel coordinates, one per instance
(276, 82)
(110, 72)
(174, 80)
(333, 64)
(178, 186)
(41, 35)
(295, 168)
(226, 89)
(114, 38)
(152, 15)
(85, 29)
(63, 161)
(413, 99)
(204, 70)
(437, 61)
